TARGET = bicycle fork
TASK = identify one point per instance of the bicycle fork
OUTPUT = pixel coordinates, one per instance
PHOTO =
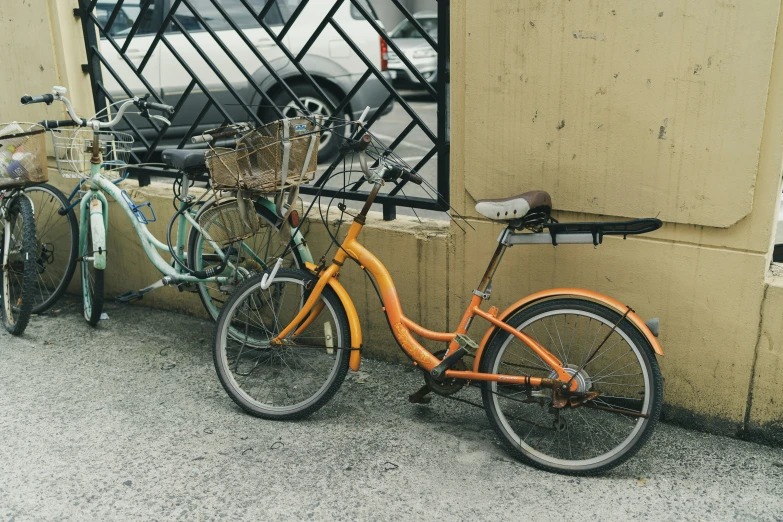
(96, 208)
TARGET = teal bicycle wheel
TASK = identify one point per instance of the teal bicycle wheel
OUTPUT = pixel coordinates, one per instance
(253, 255)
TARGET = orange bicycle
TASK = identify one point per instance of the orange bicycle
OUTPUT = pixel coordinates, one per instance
(568, 377)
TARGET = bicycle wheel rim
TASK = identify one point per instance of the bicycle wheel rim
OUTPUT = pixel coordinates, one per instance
(56, 246)
(602, 422)
(16, 278)
(267, 247)
(92, 283)
(275, 362)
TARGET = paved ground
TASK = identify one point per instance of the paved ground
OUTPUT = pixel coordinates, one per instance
(129, 422)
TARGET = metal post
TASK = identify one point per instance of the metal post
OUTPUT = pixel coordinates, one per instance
(93, 62)
(444, 89)
(389, 212)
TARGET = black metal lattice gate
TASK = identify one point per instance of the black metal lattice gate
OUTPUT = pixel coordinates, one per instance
(224, 61)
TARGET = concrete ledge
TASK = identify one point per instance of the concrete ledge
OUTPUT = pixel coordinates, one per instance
(416, 253)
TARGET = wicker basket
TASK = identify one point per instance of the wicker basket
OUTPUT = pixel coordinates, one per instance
(22, 156)
(277, 156)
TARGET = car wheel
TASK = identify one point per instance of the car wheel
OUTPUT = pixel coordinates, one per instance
(314, 103)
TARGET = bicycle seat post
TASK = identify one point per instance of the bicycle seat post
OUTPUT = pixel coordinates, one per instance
(485, 286)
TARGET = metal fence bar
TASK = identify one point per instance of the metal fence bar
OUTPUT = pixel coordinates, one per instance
(444, 91)
(408, 16)
(291, 20)
(398, 98)
(336, 102)
(400, 55)
(136, 24)
(318, 30)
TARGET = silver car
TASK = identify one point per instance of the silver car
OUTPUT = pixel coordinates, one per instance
(330, 61)
(417, 50)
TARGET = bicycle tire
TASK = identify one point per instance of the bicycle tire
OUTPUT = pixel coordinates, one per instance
(273, 378)
(210, 293)
(17, 285)
(92, 283)
(542, 446)
(54, 232)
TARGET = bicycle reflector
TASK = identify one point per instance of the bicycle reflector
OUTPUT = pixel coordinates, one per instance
(294, 218)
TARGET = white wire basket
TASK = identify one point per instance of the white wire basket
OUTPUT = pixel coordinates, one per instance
(72, 150)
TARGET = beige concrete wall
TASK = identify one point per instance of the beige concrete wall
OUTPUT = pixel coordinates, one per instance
(765, 400)
(42, 46)
(709, 73)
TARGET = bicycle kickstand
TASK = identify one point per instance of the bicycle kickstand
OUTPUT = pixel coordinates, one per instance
(419, 396)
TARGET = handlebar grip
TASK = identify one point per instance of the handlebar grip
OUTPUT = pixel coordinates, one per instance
(44, 98)
(160, 107)
(212, 136)
(144, 104)
(54, 124)
(203, 138)
(395, 171)
(415, 178)
(356, 146)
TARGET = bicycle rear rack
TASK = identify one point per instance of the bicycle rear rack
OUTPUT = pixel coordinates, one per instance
(580, 232)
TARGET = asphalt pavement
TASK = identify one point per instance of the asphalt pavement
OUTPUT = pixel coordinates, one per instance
(129, 422)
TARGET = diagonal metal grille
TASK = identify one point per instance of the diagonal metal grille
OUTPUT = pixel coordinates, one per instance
(225, 61)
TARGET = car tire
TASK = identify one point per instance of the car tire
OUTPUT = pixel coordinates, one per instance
(314, 103)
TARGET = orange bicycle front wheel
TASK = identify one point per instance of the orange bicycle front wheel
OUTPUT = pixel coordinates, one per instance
(621, 377)
(289, 380)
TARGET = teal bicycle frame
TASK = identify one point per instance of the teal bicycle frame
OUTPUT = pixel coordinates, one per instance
(95, 206)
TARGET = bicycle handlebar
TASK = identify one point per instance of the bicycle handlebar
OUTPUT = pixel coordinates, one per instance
(55, 124)
(58, 94)
(44, 98)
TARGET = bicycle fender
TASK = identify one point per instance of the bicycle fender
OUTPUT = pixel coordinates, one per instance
(98, 234)
(614, 304)
(353, 323)
(296, 235)
(353, 319)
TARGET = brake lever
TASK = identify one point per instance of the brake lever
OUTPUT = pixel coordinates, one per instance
(161, 118)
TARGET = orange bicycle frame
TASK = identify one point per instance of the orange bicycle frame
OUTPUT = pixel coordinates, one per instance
(402, 327)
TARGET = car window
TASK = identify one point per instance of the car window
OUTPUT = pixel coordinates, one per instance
(356, 15)
(125, 19)
(243, 17)
(407, 30)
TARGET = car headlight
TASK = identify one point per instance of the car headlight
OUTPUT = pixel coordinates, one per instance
(425, 53)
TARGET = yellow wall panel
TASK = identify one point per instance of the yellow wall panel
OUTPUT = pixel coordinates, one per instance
(619, 108)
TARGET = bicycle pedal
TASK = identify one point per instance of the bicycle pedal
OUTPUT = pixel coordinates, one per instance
(467, 343)
(129, 297)
(467, 346)
(188, 287)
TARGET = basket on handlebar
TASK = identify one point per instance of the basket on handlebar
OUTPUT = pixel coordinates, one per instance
(73, 150)
(277, 156)
(22, 155)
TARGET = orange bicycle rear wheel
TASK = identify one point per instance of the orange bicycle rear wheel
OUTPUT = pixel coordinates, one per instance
(584, 439)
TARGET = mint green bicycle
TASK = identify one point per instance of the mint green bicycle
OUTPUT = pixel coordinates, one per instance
(228, 240)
